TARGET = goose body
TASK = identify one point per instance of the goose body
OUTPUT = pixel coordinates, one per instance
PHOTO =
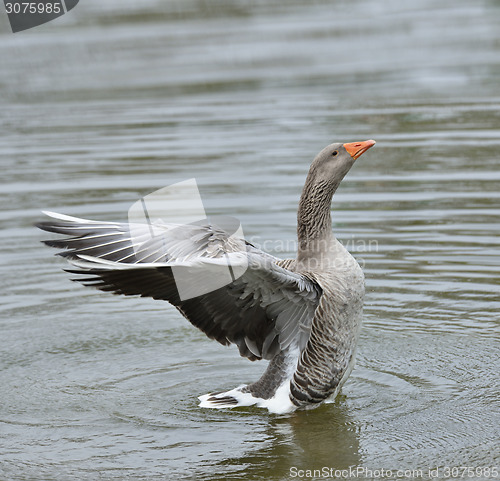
(302, 314)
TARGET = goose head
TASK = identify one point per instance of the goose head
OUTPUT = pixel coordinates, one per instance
(327, 170)
(331, 165)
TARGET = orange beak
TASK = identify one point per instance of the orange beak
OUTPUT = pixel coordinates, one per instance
(356, 149)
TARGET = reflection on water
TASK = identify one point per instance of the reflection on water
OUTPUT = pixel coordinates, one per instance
(114, 101)
(309, 440)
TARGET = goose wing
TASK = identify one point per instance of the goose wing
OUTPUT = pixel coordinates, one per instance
(232, 291)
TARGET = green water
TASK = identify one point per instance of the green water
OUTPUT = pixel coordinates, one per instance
(111, 102)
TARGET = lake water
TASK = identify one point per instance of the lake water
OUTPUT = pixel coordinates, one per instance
(111, 102)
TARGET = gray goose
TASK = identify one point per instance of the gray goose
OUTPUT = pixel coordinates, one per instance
(302, 314)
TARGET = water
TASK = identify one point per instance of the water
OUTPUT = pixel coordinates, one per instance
(109, 103)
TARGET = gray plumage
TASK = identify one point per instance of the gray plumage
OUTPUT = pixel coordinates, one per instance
(302, 314)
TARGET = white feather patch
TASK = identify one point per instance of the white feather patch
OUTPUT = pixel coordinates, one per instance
(279, 404)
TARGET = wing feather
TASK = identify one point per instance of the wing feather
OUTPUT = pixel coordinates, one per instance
(262, 311)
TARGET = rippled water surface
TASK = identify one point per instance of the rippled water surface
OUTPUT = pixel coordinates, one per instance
(111, 102)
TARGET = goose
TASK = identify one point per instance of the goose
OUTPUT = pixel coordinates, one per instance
(303, 315)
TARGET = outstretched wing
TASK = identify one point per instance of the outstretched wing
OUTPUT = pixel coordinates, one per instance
(262, 307)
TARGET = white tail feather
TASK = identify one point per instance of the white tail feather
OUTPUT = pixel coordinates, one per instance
(279, 404)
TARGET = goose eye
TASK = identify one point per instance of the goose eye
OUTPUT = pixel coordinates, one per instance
(334, 153)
